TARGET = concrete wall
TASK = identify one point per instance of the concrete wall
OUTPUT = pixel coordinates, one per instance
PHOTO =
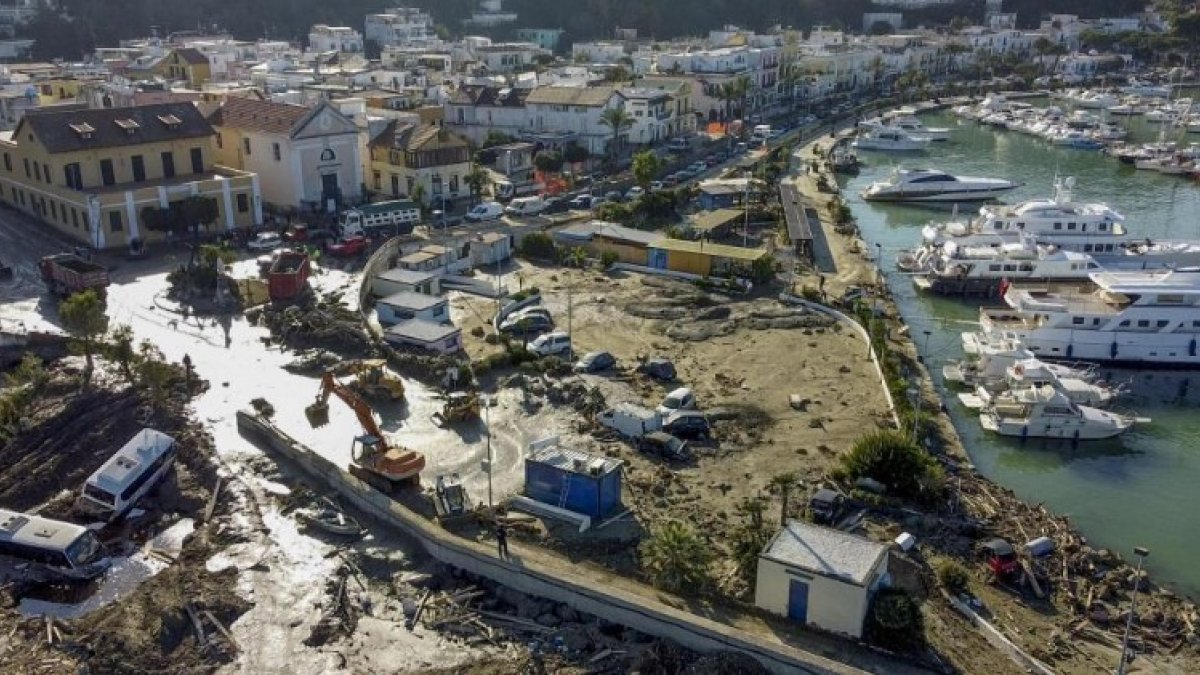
(580, 592)
(833, 605)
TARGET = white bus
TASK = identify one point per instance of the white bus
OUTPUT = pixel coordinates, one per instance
(65, 549)
(128, 475)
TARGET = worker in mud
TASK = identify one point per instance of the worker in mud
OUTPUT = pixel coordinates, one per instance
(502, 541)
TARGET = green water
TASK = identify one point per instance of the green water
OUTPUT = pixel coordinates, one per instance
(1142, 489)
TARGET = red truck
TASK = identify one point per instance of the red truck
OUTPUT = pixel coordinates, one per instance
(288, 276)
(67, 273)
(347, 246)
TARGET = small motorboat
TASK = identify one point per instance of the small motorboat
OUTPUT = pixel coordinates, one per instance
(326, 516)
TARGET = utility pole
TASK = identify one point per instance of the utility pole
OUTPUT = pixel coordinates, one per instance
(746, 204)
(487, 422)
(1141, 553)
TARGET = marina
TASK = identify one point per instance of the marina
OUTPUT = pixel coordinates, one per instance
(1135, 487)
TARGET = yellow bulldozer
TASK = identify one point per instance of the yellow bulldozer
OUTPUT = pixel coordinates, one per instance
(372, 379)
(457, 406)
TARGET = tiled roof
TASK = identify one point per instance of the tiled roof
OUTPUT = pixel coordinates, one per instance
(827, 552)
(254, 115)
(414, 137)
(480, 95)
(192, 56)
(585, 96)
(112, 127)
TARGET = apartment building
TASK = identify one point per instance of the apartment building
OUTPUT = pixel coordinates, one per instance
(322, 38)
(400, 27)
(405, 155)
(91, 174)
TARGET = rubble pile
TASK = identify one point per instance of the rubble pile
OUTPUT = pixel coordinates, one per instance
(326, 325)
(340, 616)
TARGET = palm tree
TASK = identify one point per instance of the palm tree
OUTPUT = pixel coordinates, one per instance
(618, 120)
(782, 485)
(477, 181)
(742, 87)
(675, 557)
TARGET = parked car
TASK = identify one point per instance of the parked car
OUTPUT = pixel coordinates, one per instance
(630, 420)
(484, 212)
(581, 202)
(682, 398)
(635, 193)
(687, 424)
(525, 206)
(527, 324)
(659, 369)
(556, 205)
(612, 196)
(667, 180)
(265, 241)
(594, 362)
(657, 185)
(697, 167)
(679, 145)
(347, 246)
(551, 344)
(711, 161)
(664, 445)
(530, 311)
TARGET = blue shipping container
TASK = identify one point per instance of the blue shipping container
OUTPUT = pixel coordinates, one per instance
(576, 481)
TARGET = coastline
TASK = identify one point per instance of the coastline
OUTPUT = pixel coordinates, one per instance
(1095, 603)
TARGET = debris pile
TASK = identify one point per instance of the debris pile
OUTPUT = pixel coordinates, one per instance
(326, 325)
(340, 616)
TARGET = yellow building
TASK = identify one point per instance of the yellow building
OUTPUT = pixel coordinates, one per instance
(187, 64)
(702, 258)
(405, 155)
(91, 173)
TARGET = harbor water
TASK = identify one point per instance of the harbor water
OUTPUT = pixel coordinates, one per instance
(1140, 489)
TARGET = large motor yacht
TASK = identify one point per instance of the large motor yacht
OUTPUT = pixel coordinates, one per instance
(951, 269)
(931, 185)
(887, 139)
(1141, 318)
(1045, 412)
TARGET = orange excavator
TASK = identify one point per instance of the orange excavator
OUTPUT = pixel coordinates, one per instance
(375, 462)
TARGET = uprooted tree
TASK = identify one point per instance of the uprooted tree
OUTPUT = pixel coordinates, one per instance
(182, 218)
(893, 459)
(83, 316)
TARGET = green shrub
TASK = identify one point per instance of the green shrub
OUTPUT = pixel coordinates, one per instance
(953, 576)
(538, 245)
(811, 294)
(891, 458)
(896, 621)
(676, 558)
(608, 259)
(491, 339)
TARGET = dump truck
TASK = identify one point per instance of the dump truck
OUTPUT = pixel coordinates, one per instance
(68, 273)
(392, 218)
(288, 276)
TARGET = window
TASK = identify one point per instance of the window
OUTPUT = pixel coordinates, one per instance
(1058, 226)
(327, 155)
(1161, 323)
(377, 180)
(994, 268)
(1095, 322)
(106, 172)
(74, 218)
(7, 163)
(440, 310)
(114, 221)
(1143, 323)
(139, 168)
(1171, 299)
(197, 160)
(73, 176)
(54, 210)
(1070, 226)
(246, 145)
(412, 183)
(453, 183)
(243, 203)
(1124, 324)
(1078, 321)
(276, 152)
(395, 185)
(1103, 226)
(46, 173)
(26, 161)
(220, 141)
(168, 162)
(1087, 248)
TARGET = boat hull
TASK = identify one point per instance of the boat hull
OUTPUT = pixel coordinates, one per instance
(981, 195)
(1157, 350)
(1071, 430)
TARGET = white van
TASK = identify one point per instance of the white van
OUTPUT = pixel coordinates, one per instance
(526, 206)
(63, 549)
(128, 475)
(680, 399)
(485, 211)
(761, 132)
(630, 420)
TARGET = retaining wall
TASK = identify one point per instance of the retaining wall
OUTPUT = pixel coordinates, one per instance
(580, 592)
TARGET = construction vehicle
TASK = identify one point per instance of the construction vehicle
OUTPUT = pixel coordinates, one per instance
(372, 379)
(450, 497)
(375, 462)
(457, 406)
(68, 273)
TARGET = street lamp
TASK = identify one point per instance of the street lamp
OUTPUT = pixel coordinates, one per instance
(1141, 553)
(487, 423)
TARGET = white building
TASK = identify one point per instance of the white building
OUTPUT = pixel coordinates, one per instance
(324, 38)
(653, 115)
(759, 64)
(819, 576)
(574, 112)
(474, 110)
(507, 57)
(491, 13)
(401, 26)
(597, 52)
(405, 305)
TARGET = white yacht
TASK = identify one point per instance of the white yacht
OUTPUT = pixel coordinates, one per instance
(991, 361)
(951, 269)
(931, 185)
(906, 121)
(1094, 100)
(881, 138)
(1034, 373)
(1045, 412)
(1138, 318)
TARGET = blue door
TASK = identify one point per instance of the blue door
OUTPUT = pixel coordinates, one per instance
(798, 601)
(658, 259)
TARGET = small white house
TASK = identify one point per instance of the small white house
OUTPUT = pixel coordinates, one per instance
(434, 337)
(819, 576)
(490, 248)
(406, 305)
(400, 280)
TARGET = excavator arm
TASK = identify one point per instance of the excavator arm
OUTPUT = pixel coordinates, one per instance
(318, 412)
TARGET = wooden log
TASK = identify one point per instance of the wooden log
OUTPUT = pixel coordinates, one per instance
(196, 625)
(1037, 588)
(224, 631)
(420, 608)
(212, 502)
(600, 655)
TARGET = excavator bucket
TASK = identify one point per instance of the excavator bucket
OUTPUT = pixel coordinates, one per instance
(317, 414)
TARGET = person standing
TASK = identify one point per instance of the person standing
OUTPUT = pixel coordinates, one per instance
(502, 541)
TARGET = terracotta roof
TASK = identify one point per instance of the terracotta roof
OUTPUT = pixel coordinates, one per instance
(112, 127)
(585, 96)
(413, 137)
(254, 115)
(192, 55)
